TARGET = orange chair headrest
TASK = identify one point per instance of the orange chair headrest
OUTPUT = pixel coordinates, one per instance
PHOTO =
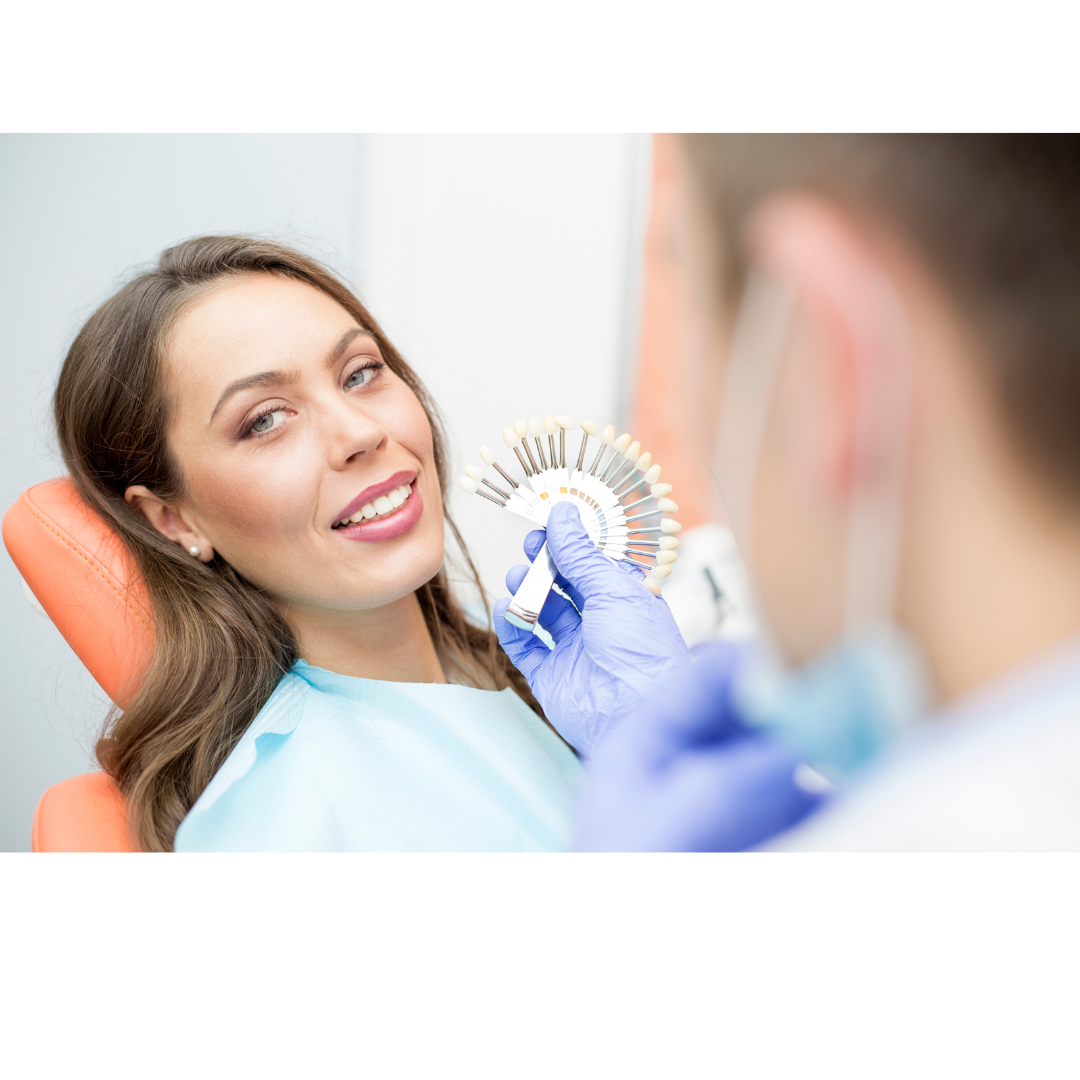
(86, 581)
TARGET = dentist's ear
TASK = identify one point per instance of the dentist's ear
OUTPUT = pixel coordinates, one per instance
(174, 524)
(845, 333)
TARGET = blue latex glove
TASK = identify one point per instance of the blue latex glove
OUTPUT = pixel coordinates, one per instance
(605, 658)
(681, 773)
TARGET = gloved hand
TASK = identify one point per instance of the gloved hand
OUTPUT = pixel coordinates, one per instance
(681, 773)
(605, 658)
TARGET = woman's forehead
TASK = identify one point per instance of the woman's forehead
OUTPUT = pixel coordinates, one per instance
(253, 324)
(259, 311)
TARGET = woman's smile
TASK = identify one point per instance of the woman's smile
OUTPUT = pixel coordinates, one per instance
(309, 438)
(389, 513)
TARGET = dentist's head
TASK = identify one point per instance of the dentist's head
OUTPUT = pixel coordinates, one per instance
(897, 326)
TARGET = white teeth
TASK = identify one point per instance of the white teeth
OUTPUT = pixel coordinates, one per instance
(666, 506)
(668, 543)
(670, 526)
(660, 489)
(663, 557)
(383, 505)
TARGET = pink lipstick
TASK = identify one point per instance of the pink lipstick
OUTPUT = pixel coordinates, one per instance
(383, 510)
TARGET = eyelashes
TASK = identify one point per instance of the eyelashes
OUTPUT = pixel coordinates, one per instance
(375, 367)
(370, 372)
(251, 433)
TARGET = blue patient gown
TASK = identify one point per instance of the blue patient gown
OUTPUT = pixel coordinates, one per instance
(335, 763)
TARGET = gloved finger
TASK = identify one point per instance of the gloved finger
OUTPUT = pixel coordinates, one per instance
(515, 576)
(739, 795)
(628, 566)
(692, 708)
(559, 617)
(578, 559)
(724, 798)
(526, 651)
(576, 598)
(534, 542)
(556, 609)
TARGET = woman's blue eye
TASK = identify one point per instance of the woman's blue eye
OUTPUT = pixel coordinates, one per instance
(361, 376)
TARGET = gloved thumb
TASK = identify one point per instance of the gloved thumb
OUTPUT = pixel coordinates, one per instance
(578, 559)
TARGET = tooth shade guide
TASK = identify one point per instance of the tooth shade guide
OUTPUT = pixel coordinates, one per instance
(487, 456)
(599, 493)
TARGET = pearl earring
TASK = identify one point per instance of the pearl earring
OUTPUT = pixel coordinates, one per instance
(196, 551)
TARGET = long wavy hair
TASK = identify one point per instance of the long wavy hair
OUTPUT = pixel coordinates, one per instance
(220, 646)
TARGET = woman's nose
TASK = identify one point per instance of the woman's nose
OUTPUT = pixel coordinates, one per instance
(351, 432)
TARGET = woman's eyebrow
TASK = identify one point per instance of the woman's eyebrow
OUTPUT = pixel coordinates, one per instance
(334, 355)
(280, 378)
(264, 378)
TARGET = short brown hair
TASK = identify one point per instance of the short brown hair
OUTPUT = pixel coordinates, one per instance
(997, 219)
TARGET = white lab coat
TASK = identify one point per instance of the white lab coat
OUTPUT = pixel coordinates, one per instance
(996, 771)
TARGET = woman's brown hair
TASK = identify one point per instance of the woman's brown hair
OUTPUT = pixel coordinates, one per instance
(220, 646)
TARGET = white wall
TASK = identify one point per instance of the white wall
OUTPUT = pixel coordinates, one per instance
(503, 267)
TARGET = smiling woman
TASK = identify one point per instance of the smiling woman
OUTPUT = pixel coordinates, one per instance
(277, 471)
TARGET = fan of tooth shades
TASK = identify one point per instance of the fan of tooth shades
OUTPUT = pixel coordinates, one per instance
(619, 496)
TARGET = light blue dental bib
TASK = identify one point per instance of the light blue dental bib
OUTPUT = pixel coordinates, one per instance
(335, 763)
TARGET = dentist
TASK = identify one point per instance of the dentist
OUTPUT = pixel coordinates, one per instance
(896, 324)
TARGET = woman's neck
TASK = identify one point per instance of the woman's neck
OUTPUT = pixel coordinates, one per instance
(391, 643)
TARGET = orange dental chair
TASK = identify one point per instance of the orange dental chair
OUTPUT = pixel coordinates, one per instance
(83, 577)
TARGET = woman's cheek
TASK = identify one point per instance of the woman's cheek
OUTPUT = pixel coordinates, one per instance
(251, 503)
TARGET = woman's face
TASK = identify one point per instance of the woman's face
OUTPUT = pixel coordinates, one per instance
(286, 421)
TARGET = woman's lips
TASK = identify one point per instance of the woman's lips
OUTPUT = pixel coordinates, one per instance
(386, 528)
(375, 491)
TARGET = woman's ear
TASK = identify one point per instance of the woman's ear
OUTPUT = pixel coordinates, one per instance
(172, 522)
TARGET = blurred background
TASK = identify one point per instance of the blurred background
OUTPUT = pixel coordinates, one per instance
(519, 275)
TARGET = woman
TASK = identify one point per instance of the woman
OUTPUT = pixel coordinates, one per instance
(277, 471)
